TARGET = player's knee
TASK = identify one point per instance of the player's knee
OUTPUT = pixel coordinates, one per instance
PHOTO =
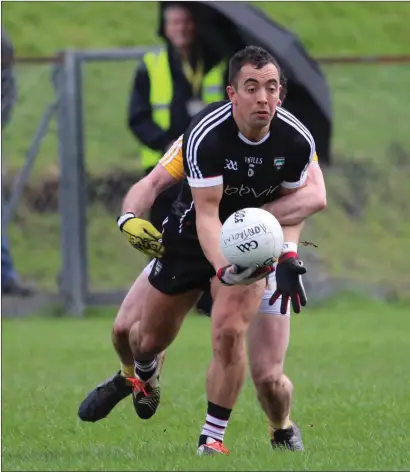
(151, 344)
(127, 317)
(229, 342)
(121, 329)
(271, 379)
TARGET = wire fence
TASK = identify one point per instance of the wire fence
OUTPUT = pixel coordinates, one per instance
(75, 109)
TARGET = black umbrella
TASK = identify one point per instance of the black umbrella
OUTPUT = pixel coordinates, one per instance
(226, 27)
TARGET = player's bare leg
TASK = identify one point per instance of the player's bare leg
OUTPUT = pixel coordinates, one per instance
(162, 317)
(232, 312)
(128, 317)
(268, 339)
(128, 314)
(100, 401)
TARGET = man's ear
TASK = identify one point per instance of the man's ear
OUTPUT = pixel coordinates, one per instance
(230, 90)
(280, 101)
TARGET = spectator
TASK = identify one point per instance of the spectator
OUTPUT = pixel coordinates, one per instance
(169, 88)
(10, 283)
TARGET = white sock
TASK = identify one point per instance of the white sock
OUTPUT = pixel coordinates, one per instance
(214, 428)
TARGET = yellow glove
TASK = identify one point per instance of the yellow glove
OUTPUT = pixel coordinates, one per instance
(141, 234)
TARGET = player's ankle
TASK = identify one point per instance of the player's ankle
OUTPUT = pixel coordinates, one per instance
(203, 439)
(127, 371)
(145, 369)
(280, 424)
(216, 422)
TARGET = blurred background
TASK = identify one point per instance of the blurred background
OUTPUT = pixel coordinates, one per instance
(75, 110)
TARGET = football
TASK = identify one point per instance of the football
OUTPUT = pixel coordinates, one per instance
(251, 236)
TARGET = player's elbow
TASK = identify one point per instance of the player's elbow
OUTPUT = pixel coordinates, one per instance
(206, 221)
(155, 180)
(320, 202)
(317, 202)
(158, 180)
(316, 184)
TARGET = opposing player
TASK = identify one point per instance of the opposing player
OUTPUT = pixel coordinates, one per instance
(294, 151)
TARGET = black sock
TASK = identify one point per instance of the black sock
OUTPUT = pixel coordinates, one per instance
(145, 369)
(215, 424)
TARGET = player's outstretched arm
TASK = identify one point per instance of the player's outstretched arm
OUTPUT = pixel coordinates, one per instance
(141, 234)
(294, 208)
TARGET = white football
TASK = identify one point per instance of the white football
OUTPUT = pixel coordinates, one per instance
(251, 236)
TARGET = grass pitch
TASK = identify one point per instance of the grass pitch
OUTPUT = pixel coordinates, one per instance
(348, 360)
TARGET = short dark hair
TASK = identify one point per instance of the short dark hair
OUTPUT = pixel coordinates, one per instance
(254, 55)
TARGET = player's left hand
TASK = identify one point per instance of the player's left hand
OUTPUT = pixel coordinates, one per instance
(289, 285)
(141, 234)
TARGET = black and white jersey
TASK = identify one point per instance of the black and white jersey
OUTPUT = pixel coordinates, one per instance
(216, 153)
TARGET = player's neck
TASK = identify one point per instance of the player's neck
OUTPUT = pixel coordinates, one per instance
(252, 134)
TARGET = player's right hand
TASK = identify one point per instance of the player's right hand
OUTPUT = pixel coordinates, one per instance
(234, 275)
(141, 234)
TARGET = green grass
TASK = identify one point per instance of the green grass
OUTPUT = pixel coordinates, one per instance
(348, 359)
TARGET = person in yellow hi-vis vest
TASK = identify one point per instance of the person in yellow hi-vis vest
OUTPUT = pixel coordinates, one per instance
(170, 87)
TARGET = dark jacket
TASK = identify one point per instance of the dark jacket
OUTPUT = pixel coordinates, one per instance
(140, 111)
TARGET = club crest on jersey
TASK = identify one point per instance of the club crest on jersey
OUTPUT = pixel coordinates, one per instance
(279, 162)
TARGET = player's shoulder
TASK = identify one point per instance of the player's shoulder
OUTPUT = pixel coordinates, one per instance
(210, 117)
(294, 129)
(207, 126)
(213, 109)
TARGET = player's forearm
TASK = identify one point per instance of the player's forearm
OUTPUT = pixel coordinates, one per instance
(292, 233)
(142, 195)
(209, 231)
(139, 199)
(296, 207)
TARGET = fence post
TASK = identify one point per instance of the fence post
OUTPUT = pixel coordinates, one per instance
(21, 180)
(72, 193)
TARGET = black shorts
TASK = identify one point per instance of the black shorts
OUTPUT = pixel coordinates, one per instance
(183, 267)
